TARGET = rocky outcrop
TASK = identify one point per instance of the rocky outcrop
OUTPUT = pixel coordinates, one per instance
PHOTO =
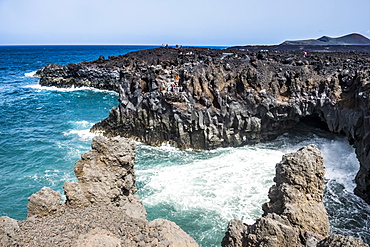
(295, 214)
(78, 75)
(298, 191)
(106, 176)
(204, 98)
(101, 208)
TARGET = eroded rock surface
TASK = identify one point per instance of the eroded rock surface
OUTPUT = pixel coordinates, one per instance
(45, 202)
(101, 208)
(295, 214)
(337, 240)
(105, 176)
(299, 189)
(8, 231)
(204, 98)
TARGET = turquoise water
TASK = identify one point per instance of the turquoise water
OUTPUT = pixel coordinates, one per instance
(43, 132)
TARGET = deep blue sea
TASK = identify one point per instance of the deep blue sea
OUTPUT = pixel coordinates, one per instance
(44, 130)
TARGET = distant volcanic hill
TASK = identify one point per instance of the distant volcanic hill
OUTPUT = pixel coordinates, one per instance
(350, 39)
(348, 43)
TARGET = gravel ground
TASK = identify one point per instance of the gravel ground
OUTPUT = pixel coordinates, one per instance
(71, 228)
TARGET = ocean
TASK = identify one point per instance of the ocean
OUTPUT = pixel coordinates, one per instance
(44, 130)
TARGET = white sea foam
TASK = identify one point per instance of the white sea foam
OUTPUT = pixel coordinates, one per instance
(85, 135)
(69, 89)
(341, 163)
(83, 124)
(82, 130)
(233, 183)
(53, 177)
(30, 74)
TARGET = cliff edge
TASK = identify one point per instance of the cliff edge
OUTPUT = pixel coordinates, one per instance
(202, 98)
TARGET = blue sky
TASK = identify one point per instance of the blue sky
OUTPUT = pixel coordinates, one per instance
(193, 22)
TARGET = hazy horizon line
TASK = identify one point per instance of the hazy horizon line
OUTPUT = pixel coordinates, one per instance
(77, 44)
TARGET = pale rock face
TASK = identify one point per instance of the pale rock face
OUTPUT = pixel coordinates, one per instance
(105, 175)
(173, 233)
(298, 193)
(45, 202)
(8, 231)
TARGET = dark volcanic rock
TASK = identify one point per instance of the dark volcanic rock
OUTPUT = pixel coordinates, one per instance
(203, 98)
(295, 214)
(78, 75)
(101, 208)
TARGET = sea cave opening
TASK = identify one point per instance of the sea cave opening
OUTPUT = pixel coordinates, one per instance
(315, 122)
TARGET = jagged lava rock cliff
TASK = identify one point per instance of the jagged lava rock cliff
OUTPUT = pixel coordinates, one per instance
(203, 98)
(101, 209)
(295, 214)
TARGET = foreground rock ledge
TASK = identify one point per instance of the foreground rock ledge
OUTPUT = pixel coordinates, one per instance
(295, 214)
(101, 209)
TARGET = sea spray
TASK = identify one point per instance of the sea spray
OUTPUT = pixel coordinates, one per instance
(30, 74)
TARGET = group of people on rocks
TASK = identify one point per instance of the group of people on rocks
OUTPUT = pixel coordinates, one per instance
(175, 86)
(176, 47)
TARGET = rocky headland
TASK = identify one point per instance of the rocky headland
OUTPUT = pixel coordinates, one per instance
(101, 208)
(202, 98)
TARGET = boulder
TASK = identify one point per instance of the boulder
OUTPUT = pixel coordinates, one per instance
(45, 202)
